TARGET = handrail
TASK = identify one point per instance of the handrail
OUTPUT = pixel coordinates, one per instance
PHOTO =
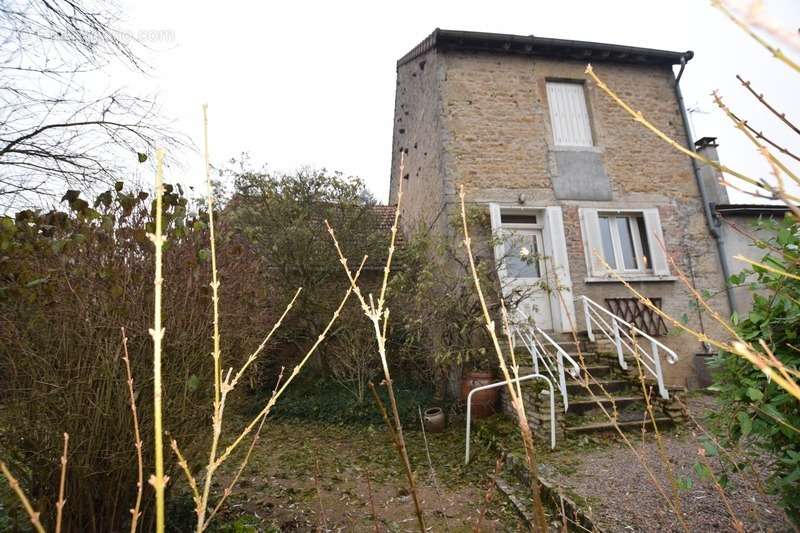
(592, 316)
(530, 338)
(535, 375)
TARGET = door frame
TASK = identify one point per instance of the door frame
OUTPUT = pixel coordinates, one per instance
(550, 220)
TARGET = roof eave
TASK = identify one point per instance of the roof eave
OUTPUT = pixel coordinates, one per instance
(751, 209)
(530, 45)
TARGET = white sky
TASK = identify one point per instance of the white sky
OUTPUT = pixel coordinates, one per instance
(312, 83)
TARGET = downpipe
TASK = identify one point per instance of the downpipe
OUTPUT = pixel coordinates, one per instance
(711, 222)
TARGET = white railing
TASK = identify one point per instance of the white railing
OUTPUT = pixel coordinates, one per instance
(626, 339)
(520, 379)
(530, 335)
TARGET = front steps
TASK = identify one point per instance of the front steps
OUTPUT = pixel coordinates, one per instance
(602, 386)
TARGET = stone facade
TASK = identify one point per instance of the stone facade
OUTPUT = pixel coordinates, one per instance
(482, 121)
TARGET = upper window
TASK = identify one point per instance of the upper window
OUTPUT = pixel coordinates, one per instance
(568, 114)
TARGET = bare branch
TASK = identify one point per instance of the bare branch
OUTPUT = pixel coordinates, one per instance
(775, 51)
(62, 481)
(760, 97)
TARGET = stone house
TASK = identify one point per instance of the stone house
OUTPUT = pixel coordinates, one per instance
(564, 173)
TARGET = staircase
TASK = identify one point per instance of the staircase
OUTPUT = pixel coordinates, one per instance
(606, 384)
(602, 382)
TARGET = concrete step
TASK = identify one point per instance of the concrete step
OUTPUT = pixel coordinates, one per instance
(597, 370)
(575, 388)
(589, 358)
(634, 423)
(582, 405)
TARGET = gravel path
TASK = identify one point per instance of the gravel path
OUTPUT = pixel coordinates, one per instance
(620, 496)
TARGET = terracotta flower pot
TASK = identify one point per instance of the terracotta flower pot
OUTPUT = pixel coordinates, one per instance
(433, 420)
(483, 402)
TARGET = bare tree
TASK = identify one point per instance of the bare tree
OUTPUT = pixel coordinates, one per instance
(55, 131)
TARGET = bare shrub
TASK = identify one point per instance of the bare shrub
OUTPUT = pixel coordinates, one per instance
(352, 362)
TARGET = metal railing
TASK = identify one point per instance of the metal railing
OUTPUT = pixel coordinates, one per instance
(535, 375)
(530, 335)
(625, 337)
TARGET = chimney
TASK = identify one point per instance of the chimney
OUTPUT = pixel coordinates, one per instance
(707, 147)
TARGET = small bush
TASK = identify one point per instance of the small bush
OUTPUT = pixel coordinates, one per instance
(322, 400)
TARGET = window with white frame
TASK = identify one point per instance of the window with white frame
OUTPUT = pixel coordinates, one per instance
(627, 242)
(625, 245)
(569, 115)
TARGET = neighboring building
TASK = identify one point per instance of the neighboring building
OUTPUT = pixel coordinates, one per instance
(738, 221)
(563, 171)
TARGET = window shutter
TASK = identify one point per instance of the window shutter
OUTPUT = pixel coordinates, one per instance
(590, 228)
(655, 238)
(563, 319)
(568, 114)
(499, 249)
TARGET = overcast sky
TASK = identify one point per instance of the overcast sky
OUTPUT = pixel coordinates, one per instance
(312, 83)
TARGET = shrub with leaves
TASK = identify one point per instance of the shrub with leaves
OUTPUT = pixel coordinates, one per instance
(753, 407)
(282, 217)
(69, 280)
(450, 334)
(445, 335)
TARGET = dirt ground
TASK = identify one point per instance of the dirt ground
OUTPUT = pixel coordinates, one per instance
(279, 487)
(614, 488)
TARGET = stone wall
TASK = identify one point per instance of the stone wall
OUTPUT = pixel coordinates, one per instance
(482, 121)
(418, 132)
(537, 409)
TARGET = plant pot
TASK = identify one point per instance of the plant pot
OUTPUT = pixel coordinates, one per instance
(483, 402)
(433, 420)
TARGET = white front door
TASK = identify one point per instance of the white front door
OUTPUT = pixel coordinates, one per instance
(523, 272)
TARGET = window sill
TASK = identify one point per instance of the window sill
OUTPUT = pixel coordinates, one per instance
(631, 279)
(594, 149)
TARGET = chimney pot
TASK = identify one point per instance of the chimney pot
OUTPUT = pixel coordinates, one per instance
(705, 142)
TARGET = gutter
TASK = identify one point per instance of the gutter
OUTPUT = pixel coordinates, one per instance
(711, 221)
(531, 45)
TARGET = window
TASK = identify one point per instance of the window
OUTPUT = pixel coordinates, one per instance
(522, 255)
(568, 114)
(625, 246)
(625, 241)
(511, 218)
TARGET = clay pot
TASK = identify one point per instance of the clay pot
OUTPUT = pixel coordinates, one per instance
(483, 402)
(433, 419)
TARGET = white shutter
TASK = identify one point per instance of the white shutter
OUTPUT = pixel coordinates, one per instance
(655, 239)
(592, 243)
(568, 114)
(554, 223)
(499, 248)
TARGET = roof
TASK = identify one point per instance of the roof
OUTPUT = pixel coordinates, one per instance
(751, 209)
(379, 225)
(385, 219)
(530, 45)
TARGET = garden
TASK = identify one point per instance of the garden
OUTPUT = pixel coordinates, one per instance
(277, 354)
